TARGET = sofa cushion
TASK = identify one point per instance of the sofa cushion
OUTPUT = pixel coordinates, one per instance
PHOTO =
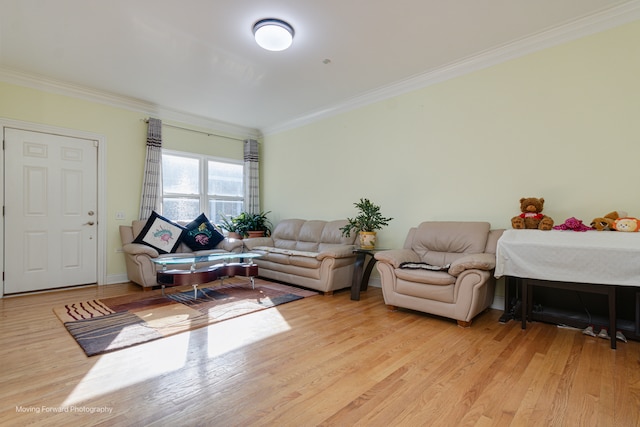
(310, 235)
(201, 234)
(161, 234)
(285, 234)
(440, 243)
(332, 234)
(271, 249)
(442, 293)
(136, 227)
(304, 261)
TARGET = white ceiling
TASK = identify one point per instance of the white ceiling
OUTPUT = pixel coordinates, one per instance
(198, 57)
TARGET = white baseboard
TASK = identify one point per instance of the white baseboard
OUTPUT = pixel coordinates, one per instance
(498, 302)
(117, 278)
(375, 282)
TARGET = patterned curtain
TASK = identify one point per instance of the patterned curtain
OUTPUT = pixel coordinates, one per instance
(251, 176)
(152, 184)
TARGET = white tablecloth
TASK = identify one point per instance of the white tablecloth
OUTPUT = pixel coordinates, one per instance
(599, 257)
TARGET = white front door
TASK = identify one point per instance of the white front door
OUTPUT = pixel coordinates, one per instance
(50, 236)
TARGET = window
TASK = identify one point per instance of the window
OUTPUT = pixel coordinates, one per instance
(196, 183)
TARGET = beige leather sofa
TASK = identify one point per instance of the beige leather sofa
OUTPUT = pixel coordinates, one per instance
(312, 254)
(141, 270)
(444, 268)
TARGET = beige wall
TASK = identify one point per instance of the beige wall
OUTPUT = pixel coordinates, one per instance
(125, 134)
(563, 124)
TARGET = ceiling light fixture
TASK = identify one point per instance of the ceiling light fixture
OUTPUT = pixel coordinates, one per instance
(273, 34)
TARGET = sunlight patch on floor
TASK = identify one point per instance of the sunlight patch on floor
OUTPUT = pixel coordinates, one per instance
(120, 369)
(245, 330)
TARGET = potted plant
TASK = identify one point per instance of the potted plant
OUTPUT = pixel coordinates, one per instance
(366, 223)
(258, 225)
(248, 224)
(232, 226)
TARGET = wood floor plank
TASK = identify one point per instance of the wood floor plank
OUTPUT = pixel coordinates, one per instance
(320, 361)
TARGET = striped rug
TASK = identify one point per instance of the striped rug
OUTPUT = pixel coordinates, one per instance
(104, 325)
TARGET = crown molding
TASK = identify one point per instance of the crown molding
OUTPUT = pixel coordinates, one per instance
(46, 84)
(588, 25)
(607, 19)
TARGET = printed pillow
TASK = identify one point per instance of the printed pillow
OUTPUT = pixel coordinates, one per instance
(201, 234)
(161, 234)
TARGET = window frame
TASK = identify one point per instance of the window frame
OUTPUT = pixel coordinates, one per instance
(203, 197)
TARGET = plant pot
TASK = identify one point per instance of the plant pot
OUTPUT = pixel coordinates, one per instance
(234, 235)
(367, 239)
(255, 233)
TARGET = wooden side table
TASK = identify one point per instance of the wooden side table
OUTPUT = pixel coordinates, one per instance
(361, 273)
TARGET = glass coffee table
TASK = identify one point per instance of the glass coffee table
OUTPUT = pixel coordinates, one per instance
(184, 270)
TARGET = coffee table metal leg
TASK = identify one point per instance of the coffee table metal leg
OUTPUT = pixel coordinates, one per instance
(195, 291)
(253, 283)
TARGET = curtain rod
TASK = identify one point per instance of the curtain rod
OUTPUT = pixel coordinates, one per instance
(199, 131)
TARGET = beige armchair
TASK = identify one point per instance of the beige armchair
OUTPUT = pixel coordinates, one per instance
(141, 270)
(444, 268)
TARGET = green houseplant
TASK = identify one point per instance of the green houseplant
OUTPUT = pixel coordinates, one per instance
(248, 224)
(232, 226)
(258, 224)
(368, 220)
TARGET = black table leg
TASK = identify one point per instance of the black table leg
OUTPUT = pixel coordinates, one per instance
(524, 301)
(638, 313)
(506, 314)
(356, 282)
(361, 273)
(512, 298)
(367, 273)
(612, 315)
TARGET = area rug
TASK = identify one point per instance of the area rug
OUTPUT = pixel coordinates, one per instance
(104, 325)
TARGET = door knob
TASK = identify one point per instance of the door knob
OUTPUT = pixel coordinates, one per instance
(88, 223)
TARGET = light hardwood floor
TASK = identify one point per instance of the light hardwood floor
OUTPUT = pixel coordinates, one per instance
(324, 360)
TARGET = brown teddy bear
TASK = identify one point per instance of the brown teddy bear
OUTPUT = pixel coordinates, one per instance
(532, 216)
(606, 222)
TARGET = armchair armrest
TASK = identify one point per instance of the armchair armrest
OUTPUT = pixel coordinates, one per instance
(140, 249)
(481, 261)
(257, 241)
(396, 257)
